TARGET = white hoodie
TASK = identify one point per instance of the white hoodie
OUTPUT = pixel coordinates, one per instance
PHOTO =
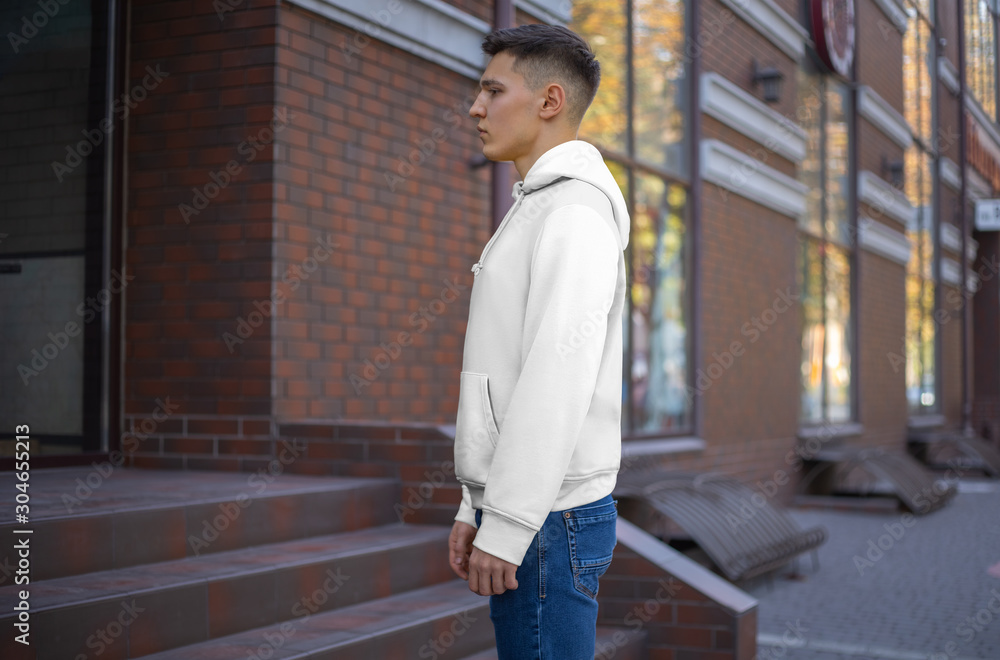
(539, 408)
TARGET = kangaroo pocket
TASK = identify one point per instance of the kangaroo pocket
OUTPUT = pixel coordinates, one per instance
(476, 432)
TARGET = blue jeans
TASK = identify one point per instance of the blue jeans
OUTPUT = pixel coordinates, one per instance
(552, 615)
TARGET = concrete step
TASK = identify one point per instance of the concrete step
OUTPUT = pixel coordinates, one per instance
(444, 621)
(157, 607)
(612, 644)
(115, 518)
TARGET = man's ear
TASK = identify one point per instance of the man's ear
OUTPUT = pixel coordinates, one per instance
(553, 101)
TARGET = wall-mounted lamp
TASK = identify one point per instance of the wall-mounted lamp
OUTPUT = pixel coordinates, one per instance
(770, 78)
(893, 170)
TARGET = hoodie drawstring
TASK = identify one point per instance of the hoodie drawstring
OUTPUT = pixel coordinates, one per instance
(518, 197)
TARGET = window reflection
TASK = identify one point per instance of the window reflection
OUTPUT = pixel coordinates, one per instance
(659, 326)
(656, 340)
(603, 24)
(980, 51)
(918, 85)
(659, 82)
(825, 249)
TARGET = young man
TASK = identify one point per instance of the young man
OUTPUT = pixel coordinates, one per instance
(538, 433)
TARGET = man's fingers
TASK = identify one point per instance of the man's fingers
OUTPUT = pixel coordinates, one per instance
(459, 565)
(473, 580)
(459, 547)
(510, 579)
(498, 579)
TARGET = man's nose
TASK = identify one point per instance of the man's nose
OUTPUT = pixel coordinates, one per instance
(477, 109)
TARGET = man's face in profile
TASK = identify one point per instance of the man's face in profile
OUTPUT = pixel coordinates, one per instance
(507, 111)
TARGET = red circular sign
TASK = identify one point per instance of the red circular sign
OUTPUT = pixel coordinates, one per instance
(833, 31)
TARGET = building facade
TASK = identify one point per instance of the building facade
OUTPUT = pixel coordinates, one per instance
(239, 229)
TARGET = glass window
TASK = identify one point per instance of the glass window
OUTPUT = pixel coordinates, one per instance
(810, 118)
(918, 89)
(918, 59)
(53, 194)
(825, 252)
(659, 365)
(980, 54)
(660, 98)
(837, 160)
(826, 331)
(604, 25)
(921, 334)
(656, 335)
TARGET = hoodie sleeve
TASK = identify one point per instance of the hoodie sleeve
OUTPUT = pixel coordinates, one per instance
(574, 276)
(466, 513)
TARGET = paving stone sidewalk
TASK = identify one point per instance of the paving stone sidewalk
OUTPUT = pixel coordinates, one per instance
(889, 587)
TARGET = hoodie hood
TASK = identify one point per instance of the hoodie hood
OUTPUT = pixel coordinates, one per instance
(581, 160)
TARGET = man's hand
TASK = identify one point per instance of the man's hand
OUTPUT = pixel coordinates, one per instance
(489, 575)
(459, 547)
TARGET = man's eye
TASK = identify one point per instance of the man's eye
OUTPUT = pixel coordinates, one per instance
(493, 92)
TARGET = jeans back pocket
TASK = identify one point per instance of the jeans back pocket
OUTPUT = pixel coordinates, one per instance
(590, 531)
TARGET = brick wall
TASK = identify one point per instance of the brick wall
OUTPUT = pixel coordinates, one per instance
(879, 53)
(653, 590)
(728, 46)
(354, 221)
(377, 156)
(749, 256)
(874, 147)
(882, 326)
(950, 330)
(881, 304)
(197, 270)
(947, 25)
(481, 9)
(749, 259)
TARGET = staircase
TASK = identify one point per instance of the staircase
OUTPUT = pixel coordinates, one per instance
(171, 565)
(197, 565)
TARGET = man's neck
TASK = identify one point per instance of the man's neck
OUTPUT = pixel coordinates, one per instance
(525, 163)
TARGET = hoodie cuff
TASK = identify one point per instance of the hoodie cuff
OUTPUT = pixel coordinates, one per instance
(503, 538)
(466, 513)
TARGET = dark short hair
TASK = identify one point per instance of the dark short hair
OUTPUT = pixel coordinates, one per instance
(550, 53)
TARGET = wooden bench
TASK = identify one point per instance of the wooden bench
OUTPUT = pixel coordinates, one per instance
(740, 529)
(875, 471)
(929, 445)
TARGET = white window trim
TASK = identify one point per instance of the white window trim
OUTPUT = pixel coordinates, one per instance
(633, 448)
(948, 74)
(749, 177)
(774, 23)
(879, 195)
(884, 117)
(895, 12)
(558, 12)
(951, 240)
(951, 273)
(984, 123)
(743, 112)
(950, 173)
(976, 187)
(431, 29)
(884, 241)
